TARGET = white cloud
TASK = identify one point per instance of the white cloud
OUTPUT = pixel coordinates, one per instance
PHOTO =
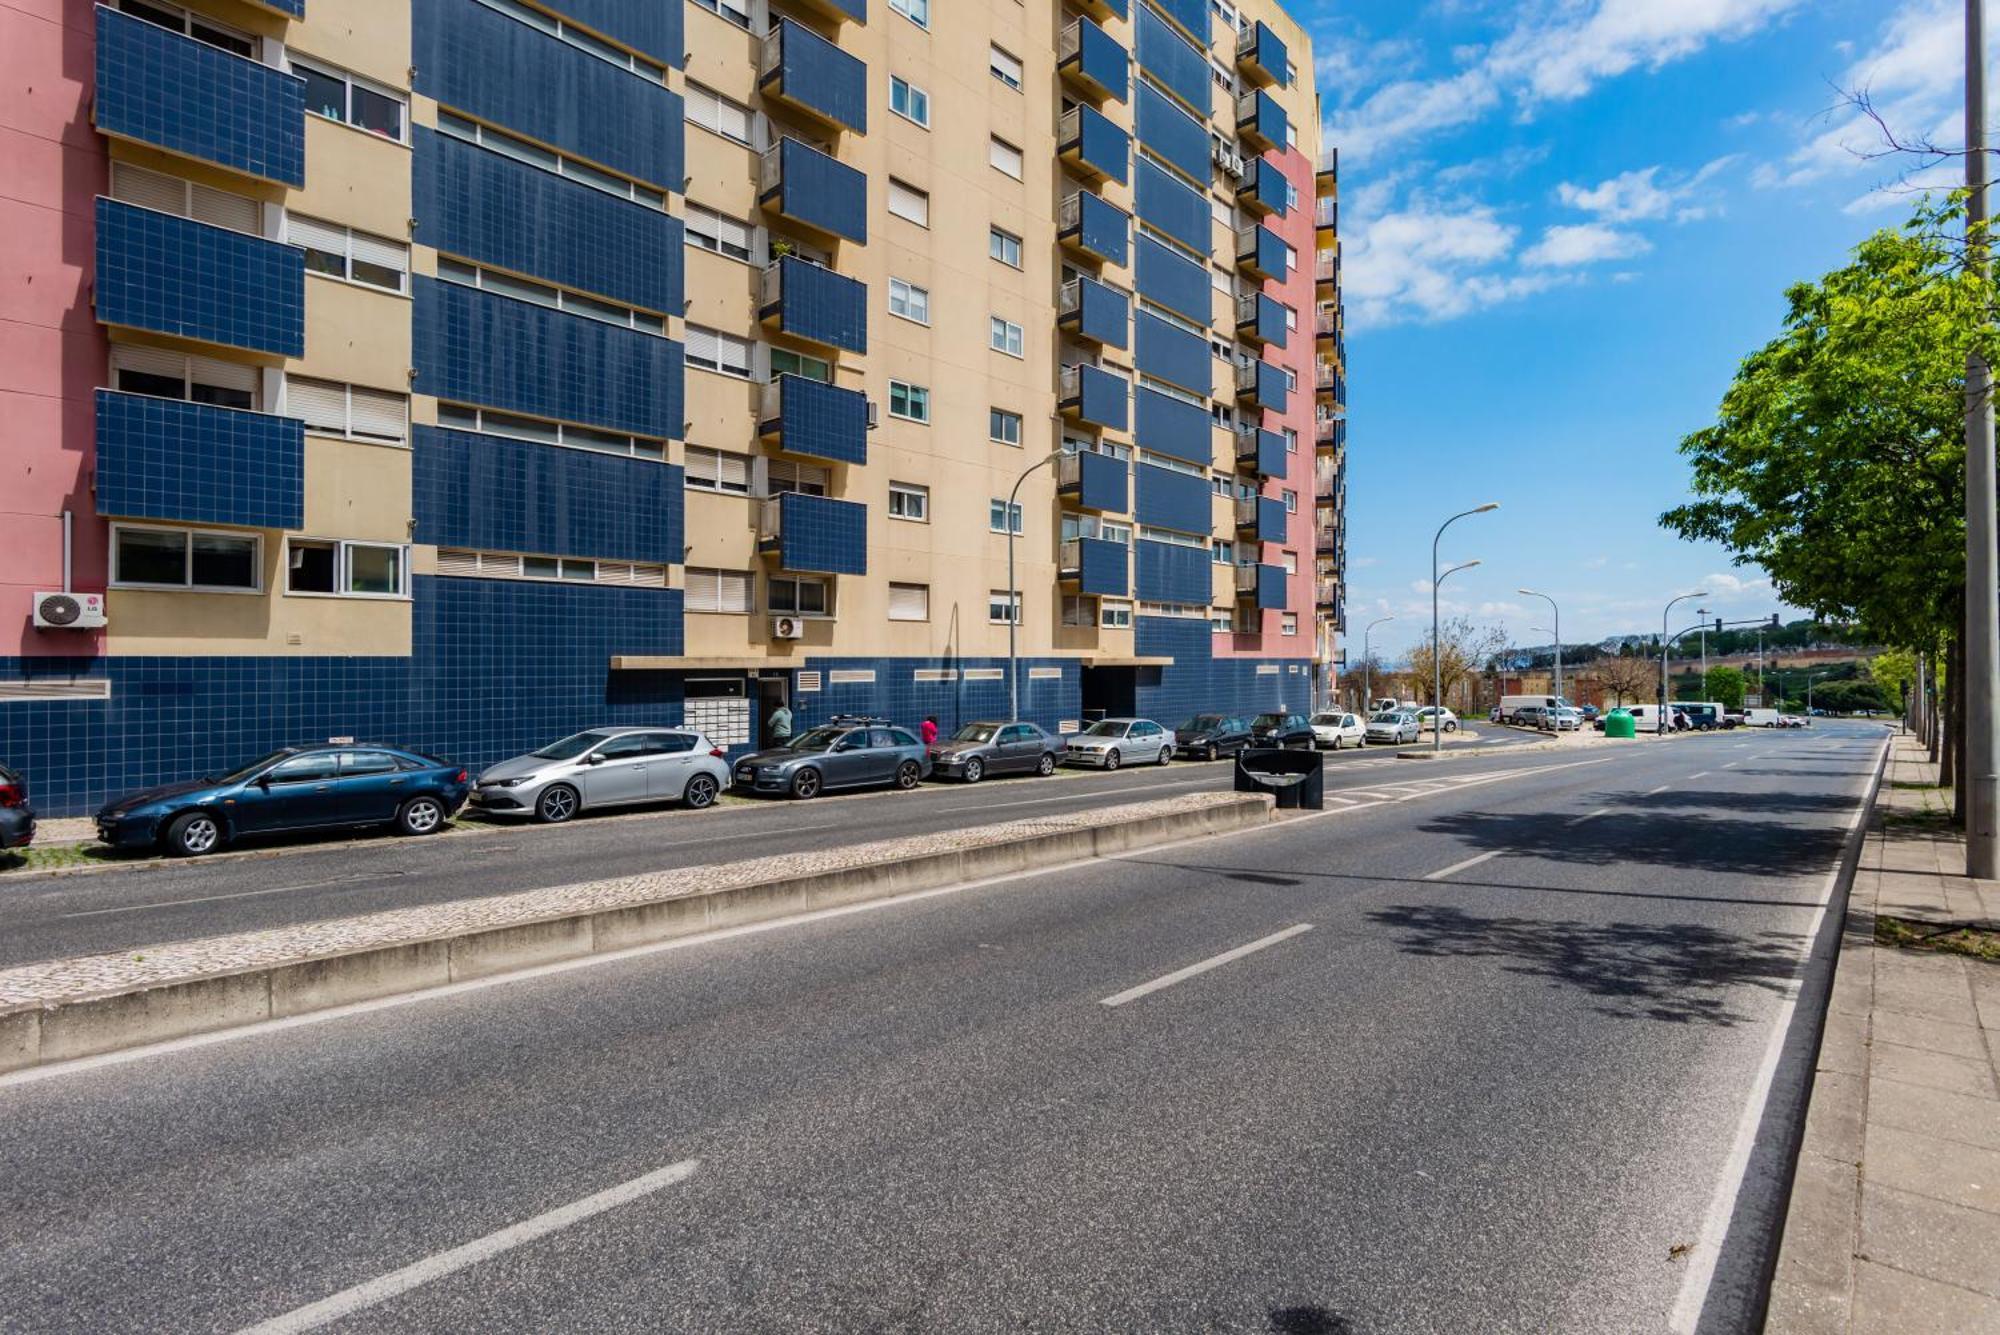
(1632, 196)
(1724, 585)
(1569, 245)
(1429, 262)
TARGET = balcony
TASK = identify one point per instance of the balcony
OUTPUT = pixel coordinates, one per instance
(1260, 253)
(1171, 499)
(1096, 312)
(811, 75)
(1326, 479)
(814, 534)
(1260, 122)
(1094, 395)
(198, 101)
(811, 301)
(1094, 565)
(1104, 10)
(1261, 587)
(800, 183)
(1088, 226)
(196, 463)
(1090, 480)
(1093, 146)
(1264, 190)
(837, 12)
(1261, 320)
(1091, 61)
(1261, 57)
(1262, 452)
(1262, 385)
(1260, 519)
(172, 275)
(814, 419)
(1328, 594)
(1326, 215)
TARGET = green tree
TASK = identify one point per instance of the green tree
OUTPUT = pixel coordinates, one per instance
(1895, 671)
(1725, 686)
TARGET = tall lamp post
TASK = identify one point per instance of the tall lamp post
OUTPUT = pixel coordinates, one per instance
(1703, 612)
(1664, 646)
(1014, 594)
(1437, 674)
(1368, 664)
(1557, 632)
(1982, 579)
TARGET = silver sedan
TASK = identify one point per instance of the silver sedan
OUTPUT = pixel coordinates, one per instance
(605, 767)
(1112, 742)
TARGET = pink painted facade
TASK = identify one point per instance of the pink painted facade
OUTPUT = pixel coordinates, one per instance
(52, 351)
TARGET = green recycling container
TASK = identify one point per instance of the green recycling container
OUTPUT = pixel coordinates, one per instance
(1618, 723)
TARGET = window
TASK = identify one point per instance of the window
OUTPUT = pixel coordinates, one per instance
(541, 294)
(1219, 210)
(718, 232)
(1006, 68)
(168, 558)
(909, 203)
(1004, 247)
(1291, 257)
(356, 257)
(910, 402)
(1222, 415)
(582, 41)
(1000, 512)
(1291, 561)
(801, 597)
(507, 145)
(1291, 502)
(909, 602)
(506, 565)
(185, 199)
(783, 475)
(1079, 610)
(1173, 537)
(909, 301)
(728, 9)
(998, 604)
(1003, 426)
(1006, 337)
(1288, 624)
(175, 19)
(718, 470)
(347, 569)
(1116, 615)
(909, 501)
(564, 568)
(331, 408)
(916, 11)
(1291, 318)
(719, 115)
(461, 417)
(1291, 439)
(171, 375)
(713, 350)
(1219, 280)
(718, 590)
(1225, 552)
(910, 102)
(786, 362)
(1004, 157)
(352, 101)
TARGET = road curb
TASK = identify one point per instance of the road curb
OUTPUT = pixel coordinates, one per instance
(65, 1029)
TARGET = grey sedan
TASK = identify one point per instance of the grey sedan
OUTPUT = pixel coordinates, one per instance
(604, 767)
(979, 749)
(1112, 742)
(847, 753)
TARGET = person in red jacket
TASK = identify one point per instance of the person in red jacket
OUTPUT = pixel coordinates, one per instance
(929, 731)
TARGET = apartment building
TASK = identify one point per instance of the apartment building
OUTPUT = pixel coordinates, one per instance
(466, 372)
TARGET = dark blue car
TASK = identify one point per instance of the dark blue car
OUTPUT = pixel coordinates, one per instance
(296, 788)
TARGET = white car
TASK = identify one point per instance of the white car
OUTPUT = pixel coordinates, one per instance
(1392, 727)
(1336, 731)
(1109, 743)
(1424, 718)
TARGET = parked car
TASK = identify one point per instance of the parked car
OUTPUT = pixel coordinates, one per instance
(846, 753)
(1336, 730)
(1790, 721)
(1290, 732)
(294, 788)
(1209, 736)
(1760, 718)
(17, 818)
(1590, 712)
(1392, 727)
(1548, 718)
(605, 767)
(1109, 743)
(1424, 718)
(1703, 716)
(979, 749)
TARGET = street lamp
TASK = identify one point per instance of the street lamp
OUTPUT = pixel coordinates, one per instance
(1699, 593)
(1437, 688)
(1703, 613)
(1368, 663)
(1014, 594)
(1558, 633)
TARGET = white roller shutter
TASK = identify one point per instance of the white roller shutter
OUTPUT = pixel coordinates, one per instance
(702, 345)
(219, 207)
(909, 602)
(380, 415)
(320, 403)
(149, 361)
(733, 472)
(316, 235)
(380, 250)
(224, 375)
(148, 189)
(701, 590)
(733, 590)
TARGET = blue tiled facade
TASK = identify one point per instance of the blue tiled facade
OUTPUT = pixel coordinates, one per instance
(1263, 190)
(1167, 499)
(1268, 593)
(1167, 129)
(1101, 484)
(198, 464)
(1103, 397)
(1267, 457)
(1166, 276)
(1167, 425)
(1265, 322)
(1171, 58)
(1101, 59)
(820, 191)
(1166, 572)
(1103, 314)
(814, 302)
(1260, 117)
(1200, 683)
(197, 100)
(494, 493)
(821, 535)
(1265, 253)
(172, 275)
(479, 348)
(1100, 144)
(1267, 387)
(1100, 567)
(1171, 205)
(1264, 51)
(818, 76)
(820, 420)
(1269, 525)
(893, 691)
(651, 29)
(1168, 352)
(1102, 228)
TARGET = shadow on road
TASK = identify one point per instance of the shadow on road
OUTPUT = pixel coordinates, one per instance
(1310, 1319)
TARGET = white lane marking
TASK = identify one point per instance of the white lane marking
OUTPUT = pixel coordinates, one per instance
(363, 1296)
(1591, 815)
(1715, 1224)
(1212, 962)
(1699, 774)
(1661, 789)
(1732, 764)
(1457, 867)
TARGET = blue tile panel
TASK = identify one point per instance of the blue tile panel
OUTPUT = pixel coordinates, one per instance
(1269, 591)
(1104, 313)
(895, 694)
(816, 74)
(1168, 203)
(486, 64)
(1271, 520)
(481, 348)
(1168, 352)
(649, 28)
(1168, 57)
(1102, 59)
(1116, 7)
(1101, 567)
(815, 302)
(296, 8)
(1266, 250)
(1267, 51)
(1169, 573)
(1191, 15)
(1166, 425)
(1173, 280)
(820, 535)
(1270, 458)
(854, 9)
(498, 494)
(1269, 389)
(197, 100)
(1102, 145)
(820, 191)
(1166, 129)
(1103, 229)
(824, 421)
(1101, 483)
(176, 276)
(1173, 500)
(1102, 398)
(1264, 189)
(198, 464)
(1266, 118)
(494, 210)
(1199, 683)
(1267, 322)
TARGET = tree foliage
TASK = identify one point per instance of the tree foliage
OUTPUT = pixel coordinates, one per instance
(1895, 671)
(1462, 647)
(1725, 686)
(1629, 677)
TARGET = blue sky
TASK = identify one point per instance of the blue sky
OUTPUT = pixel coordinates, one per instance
(1563, 223)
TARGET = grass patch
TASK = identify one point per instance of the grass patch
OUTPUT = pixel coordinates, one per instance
(54, 857)
(1941, 938)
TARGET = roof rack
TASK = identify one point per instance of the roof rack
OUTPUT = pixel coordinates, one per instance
(857, 720)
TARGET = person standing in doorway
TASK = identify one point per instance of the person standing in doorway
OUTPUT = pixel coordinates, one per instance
(780, 725)
(929, 730)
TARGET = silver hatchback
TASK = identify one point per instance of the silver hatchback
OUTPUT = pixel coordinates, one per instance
(1109, 743)
(605, 767)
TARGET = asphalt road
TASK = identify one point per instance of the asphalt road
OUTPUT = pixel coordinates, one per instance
(1472, 1061)
(50, 916)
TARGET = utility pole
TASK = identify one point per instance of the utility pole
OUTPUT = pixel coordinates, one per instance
(1982, 557)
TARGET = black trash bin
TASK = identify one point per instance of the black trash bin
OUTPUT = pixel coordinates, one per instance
(1296, 778)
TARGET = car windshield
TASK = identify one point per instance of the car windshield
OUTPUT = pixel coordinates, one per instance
(1386, 717)
(569, 748)
(1268, 720)
(819, 739)
(1106, 728)
(1333, 719)
(243, 772)
(1202, 723)
(975, 732)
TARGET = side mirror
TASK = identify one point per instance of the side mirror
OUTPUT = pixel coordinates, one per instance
(264, 781)
(594, 758)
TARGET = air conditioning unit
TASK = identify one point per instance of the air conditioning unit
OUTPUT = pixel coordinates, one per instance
(1236, 166)
(69, 611)
(787, 628)
(874, 414)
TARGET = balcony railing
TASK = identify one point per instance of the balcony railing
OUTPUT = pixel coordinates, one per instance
(816, 419)
(814, 75)
(813, 302)
(1092, 60)
(799, 182)
(1091, 143)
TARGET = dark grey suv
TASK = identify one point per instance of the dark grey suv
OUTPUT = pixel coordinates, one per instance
(846, 753)
(979, 749)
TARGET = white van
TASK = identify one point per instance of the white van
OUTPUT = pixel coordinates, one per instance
(1647, 717)
(1510, 704)
(1760, 718)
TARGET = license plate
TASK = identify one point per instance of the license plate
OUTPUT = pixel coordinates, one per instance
(745, 775)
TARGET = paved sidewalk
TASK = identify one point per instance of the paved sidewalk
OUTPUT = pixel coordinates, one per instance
(1894, 1223)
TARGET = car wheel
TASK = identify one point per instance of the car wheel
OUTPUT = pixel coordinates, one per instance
(908, 775)
(700, 792)
(1451, 727)
(1166, 753)
(975, 770)
(420, 815)
(1046, 765)
(1214, 753)
(805, 784)
(1111, 759)
(193, 834)
(557, 804)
